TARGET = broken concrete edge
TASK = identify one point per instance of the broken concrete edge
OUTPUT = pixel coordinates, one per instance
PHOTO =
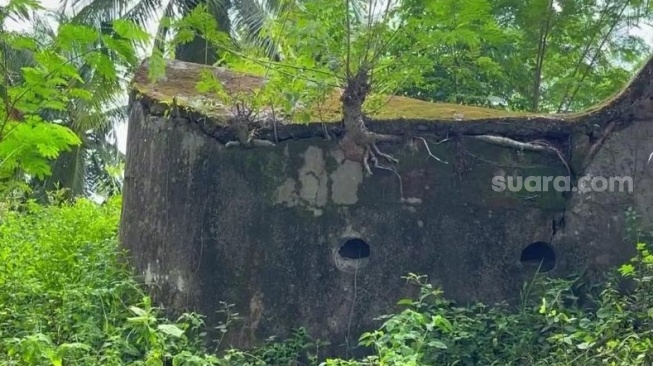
(173, 96)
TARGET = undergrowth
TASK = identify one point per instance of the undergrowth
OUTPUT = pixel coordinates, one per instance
(65, 299)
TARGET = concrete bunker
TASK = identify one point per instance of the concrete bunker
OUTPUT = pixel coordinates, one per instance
(262, 228)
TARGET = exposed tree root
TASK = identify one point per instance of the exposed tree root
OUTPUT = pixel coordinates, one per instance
(428, 149)
(250, 143)
(359, 143)
(327, 135)
(372, 154)
(247, 138)
(537, 145)
(505, 141)
(362, 146)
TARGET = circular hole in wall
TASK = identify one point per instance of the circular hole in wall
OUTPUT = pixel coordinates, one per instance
(352, 255)
(539, 255)
(354, 249)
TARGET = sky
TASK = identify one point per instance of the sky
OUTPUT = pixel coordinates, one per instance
(645, 31)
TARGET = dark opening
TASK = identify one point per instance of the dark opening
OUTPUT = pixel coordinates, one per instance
(354, 249)
(539, 254)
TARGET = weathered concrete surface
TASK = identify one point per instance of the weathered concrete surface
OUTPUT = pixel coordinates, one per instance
(594, 234)
(261, 228)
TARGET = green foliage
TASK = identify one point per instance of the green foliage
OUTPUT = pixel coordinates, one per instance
(534, 55)
(319, 48)
(65, 298)
(555, 326)
(464, 49)
(284, 92)
(55, 87)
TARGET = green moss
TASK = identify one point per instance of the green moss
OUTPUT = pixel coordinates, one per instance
(180, 83)
(397, 107)
(263, 168)
(182, 78)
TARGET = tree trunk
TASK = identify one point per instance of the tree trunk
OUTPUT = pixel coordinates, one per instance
(199, 50)
(359, 143)
(352, 108)
(541, 53)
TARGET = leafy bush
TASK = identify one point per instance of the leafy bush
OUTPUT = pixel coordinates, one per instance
(557, 323)
(616, 330)
(65, 299)
(64, 295)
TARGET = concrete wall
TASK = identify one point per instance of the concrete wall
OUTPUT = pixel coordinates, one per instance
(263, 228)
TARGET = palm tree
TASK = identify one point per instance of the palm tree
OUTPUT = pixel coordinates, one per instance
(242, 19)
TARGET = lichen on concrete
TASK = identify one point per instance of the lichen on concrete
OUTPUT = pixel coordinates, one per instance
(286, 193)
(345, 180)
(313, 178)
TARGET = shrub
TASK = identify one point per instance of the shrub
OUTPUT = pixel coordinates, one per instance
(66, 299)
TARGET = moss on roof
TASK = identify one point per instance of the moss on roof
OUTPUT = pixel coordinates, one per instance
(181, 80)
(182, 77)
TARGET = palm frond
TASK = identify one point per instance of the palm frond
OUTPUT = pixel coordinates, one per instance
(248, 21)
(163, 30)
(95, 12)
(103, 168)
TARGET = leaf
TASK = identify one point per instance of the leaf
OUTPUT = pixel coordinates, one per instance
(442, 323)
(47, 151)
(584, 346)
(56, 360)
(103, 65)
(627, 270)
(71, 36)
(604, 313)
(138, 311)
(22, 8)
(121, 47)
(437, 344)
(129, 30)
(157, 66)
(405, 302)
(19, 41)
(171, 329)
